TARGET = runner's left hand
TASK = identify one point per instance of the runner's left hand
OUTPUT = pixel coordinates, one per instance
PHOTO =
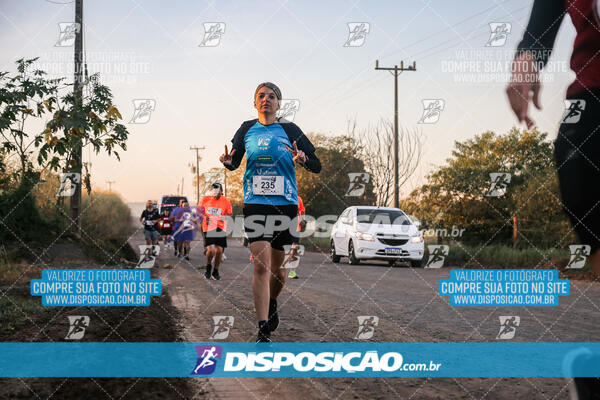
(299, 155)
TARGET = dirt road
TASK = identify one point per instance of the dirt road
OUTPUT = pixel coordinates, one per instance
(324, 303)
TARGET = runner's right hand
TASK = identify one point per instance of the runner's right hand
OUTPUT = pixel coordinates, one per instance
(226, 157)
(524, 87)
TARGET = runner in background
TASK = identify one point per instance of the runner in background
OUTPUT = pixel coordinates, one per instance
(215, 208)
(296, 239)
(202, 213)
(148, 219)
(175, 214)
(185, 230)
(165, 227)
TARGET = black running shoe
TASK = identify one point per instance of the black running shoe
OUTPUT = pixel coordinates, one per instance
(273, 316)
(208, 271)
(216, 275)
(187, 258)
(264, 335)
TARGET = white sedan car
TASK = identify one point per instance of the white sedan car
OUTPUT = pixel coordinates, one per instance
(376, 233)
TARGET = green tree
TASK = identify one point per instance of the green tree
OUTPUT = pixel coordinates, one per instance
(324, 193)
(23, 97)
(94, 122)
(540, 215)
(455, 194)
(28, 96)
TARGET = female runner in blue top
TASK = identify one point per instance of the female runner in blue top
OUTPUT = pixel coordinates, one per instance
(272, 146)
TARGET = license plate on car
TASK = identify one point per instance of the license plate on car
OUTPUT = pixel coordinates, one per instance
(391, 250)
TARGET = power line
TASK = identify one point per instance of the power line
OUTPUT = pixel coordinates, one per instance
(444, 43)
(334, 87)
(453, 26)
(351, 92)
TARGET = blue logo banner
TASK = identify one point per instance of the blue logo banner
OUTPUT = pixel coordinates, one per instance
(226, 359)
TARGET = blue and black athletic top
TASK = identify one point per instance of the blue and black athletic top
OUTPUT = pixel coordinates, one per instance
(270, 176)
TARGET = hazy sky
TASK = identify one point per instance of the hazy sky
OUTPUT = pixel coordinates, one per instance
(150, 50)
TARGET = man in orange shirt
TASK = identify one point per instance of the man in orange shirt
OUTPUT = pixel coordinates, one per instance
(215, 207)
(296, 239)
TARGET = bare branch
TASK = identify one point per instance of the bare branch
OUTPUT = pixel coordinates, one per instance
(377, 153)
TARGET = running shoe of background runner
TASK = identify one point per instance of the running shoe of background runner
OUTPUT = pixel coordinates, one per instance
(215, 275)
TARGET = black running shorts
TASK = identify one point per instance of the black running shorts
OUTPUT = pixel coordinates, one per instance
(255, 217)
(216, 237)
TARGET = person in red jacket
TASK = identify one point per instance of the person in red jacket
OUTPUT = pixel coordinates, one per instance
(577, 146)
(165, 227)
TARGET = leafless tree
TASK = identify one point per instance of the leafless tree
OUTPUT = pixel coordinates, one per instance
(377, 153)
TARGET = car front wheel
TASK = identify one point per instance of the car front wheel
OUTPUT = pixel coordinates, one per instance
(351, 255)
(334, 257)
(415, 263)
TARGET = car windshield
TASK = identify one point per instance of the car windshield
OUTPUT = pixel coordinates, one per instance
(381, 217)
(172, 200)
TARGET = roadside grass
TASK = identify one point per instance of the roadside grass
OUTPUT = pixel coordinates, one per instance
(10, 272)
(106, 222)
(496, 255)
(105, 216)
(472, 255)
(15, 312)
(317, 244)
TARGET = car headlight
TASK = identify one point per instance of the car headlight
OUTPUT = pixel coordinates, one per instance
(416, 239)
(365, 236)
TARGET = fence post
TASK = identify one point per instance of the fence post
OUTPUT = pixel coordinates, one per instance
(515, 231)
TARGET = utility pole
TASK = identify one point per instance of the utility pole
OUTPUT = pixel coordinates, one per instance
(75, 200)
(197, 171)
(395, 70)
(110, 185)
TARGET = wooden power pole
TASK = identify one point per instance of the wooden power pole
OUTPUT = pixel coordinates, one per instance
(110, 185)
(198, 158)
(395, 70)
(77, 93)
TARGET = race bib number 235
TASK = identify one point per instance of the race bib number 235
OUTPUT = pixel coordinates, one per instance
(267, 185)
